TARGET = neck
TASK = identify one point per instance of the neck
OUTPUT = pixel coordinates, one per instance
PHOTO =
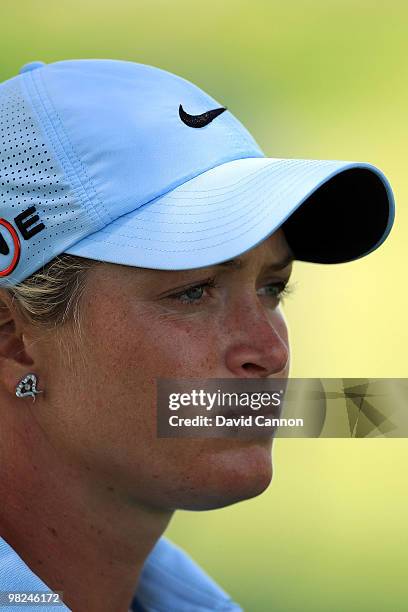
(76, 530)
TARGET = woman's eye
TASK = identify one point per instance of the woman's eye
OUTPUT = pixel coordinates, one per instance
(195, 294)
(278, 290)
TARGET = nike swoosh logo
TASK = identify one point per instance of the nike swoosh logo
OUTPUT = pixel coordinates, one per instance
(199, 121)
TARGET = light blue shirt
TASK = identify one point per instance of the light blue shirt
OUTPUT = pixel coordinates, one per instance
(170, 581)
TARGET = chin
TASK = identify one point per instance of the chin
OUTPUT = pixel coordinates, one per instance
(240, 472)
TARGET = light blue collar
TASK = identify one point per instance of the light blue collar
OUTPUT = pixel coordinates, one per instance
(170, 580)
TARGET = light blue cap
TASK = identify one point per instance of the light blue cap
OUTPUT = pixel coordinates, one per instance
(127, 163)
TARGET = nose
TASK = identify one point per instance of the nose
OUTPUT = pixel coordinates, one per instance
(261, 348)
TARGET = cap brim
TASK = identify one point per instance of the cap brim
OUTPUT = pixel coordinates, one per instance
(331, 212)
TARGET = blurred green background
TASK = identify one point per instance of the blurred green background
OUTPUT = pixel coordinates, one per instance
(323, 79)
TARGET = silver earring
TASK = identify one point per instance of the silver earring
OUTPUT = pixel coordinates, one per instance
(28, 386)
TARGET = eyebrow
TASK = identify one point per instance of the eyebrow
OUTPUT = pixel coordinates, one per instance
(238, 264)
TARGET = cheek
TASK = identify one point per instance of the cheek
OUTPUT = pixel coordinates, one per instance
(168, 348)
(140, 348)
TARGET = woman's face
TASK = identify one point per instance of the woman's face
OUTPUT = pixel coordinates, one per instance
(139, 324)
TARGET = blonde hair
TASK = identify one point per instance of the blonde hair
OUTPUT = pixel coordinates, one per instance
(51, 297)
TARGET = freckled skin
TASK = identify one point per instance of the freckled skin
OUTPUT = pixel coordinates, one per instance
(89, 455)
(131, 342)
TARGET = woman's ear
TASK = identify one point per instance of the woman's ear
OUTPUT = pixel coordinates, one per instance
(14, 350)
